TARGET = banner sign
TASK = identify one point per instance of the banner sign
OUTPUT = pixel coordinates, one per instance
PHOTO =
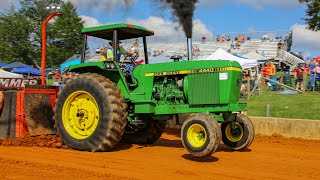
(11, 83)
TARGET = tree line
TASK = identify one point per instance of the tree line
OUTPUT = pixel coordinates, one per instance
(20, 33)
(313, 14)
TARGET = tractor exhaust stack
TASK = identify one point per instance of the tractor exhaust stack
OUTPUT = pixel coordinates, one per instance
(189, 42)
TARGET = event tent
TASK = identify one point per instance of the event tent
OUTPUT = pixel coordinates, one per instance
(2, 64)
(15, 65)
(6, 74)
(220, 54)
(27, 70)
(65, 65)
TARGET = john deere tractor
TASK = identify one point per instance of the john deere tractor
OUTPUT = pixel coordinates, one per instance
(107, 103)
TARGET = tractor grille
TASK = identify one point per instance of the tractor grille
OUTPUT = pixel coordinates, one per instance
(204, 89)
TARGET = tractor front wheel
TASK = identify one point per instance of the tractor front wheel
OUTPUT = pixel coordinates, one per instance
(90, 113)
(241, 135)
(201, 135)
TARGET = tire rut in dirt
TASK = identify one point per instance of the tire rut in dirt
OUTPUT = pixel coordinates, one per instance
(148, 135)
(112, 112)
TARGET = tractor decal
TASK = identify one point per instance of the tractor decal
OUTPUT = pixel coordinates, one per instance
(197, 71)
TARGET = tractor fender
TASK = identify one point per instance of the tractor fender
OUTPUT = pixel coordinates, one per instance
(115, 75)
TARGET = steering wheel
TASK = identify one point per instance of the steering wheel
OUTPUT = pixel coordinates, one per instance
(132, 57)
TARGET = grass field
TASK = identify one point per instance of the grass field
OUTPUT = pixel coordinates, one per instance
(300, 106)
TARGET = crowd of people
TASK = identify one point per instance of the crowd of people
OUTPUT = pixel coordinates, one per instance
(305, 76)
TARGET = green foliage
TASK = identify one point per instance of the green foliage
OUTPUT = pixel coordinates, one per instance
(20, 33)
(14, 37)
(313, 14)
(65, 38)
(301, 106)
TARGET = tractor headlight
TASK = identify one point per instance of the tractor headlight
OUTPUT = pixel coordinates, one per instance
(108, 65)
(112, 66)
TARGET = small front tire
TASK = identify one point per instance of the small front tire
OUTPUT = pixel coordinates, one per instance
(242, 136)
(201, 135)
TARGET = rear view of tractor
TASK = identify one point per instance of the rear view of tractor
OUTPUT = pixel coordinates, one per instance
(105, 104)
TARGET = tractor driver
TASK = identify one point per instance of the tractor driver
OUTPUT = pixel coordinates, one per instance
(108, 55)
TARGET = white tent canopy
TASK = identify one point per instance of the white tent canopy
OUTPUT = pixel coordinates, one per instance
(5, 74)
(220, 54)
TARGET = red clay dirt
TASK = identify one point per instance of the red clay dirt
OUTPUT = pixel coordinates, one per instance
(273, 157)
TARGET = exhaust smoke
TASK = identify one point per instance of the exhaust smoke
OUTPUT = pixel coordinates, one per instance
(184, 10)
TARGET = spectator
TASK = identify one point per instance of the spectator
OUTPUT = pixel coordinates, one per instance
(265, 37)
(103, 55)
(272, 70)
(228, 39)
(243, 38)
(299, 76)
(232, 45)
(136, 42)
(222, 39)
(312, 66)
(266, 70)
(280, 45)
(238, 45)
(317, 69)
(317, 59)
(203, 39)
(307, 69)
(218, 38)
(239, 39)
(149, 52)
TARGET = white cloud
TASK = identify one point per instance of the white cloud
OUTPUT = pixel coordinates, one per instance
(101, 5)
(6, 3)
(168, 28)
(90, 21)
(304, 38)
(257, 4)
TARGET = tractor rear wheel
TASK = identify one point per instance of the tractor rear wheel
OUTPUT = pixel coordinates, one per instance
(201, 135)
(147, 135)
(90, 113)
(241, 136)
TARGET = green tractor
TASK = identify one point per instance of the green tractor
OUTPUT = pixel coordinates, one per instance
(104, 104)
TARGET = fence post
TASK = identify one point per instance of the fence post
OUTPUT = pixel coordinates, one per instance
(304, 80)
(268, 110)
(248, 87)
(261, 83)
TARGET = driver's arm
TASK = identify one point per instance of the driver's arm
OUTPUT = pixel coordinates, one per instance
(123, 51)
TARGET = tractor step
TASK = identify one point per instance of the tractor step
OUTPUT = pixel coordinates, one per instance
(137, 122)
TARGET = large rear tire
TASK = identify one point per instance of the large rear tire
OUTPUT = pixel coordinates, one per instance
(242, 136)
(201, 135)
(90, 113)
(147, 135)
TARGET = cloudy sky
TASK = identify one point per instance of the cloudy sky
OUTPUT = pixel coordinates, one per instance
(211, 17)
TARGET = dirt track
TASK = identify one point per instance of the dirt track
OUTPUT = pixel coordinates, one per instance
(268, 158)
